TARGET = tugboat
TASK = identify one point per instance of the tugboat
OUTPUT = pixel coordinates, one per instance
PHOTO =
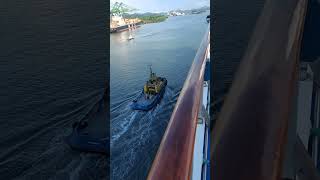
(151, 94)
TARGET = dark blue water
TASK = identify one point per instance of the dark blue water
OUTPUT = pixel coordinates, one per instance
(53, 70)
(169, 47)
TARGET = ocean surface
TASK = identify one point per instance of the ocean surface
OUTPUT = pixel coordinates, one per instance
(169, 47)
(53, 70)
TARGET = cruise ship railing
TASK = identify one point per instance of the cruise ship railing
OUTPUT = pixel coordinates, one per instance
(249, 138)
(173, 160)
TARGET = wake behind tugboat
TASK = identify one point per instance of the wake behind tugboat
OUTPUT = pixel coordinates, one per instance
(132, 132)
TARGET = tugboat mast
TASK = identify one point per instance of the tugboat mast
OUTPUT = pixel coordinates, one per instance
(151, 73)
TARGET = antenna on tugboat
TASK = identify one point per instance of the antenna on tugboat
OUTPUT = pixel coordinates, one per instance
(151, 73)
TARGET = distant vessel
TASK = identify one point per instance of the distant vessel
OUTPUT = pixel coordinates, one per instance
(151, 94)
(130, 37)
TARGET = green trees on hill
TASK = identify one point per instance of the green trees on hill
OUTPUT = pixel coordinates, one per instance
(148, 17)
(153, 18)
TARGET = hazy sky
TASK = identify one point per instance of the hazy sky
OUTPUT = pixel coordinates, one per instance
(163, 5)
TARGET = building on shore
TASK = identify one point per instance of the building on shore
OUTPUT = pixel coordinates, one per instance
(176, 13)
(118, 23)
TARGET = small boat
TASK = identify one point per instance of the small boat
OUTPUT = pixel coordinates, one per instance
(208, 18)
(151, 94)
(130, 37)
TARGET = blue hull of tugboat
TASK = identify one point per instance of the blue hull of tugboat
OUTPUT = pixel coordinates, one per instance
(141, 103)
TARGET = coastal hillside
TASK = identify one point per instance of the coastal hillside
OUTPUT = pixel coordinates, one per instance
(147, 17)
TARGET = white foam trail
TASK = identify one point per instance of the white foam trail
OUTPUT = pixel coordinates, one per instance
(141, 127)
(124, 126)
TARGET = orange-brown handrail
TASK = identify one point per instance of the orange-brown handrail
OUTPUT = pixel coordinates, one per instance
(250, 135)
(174, 157)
